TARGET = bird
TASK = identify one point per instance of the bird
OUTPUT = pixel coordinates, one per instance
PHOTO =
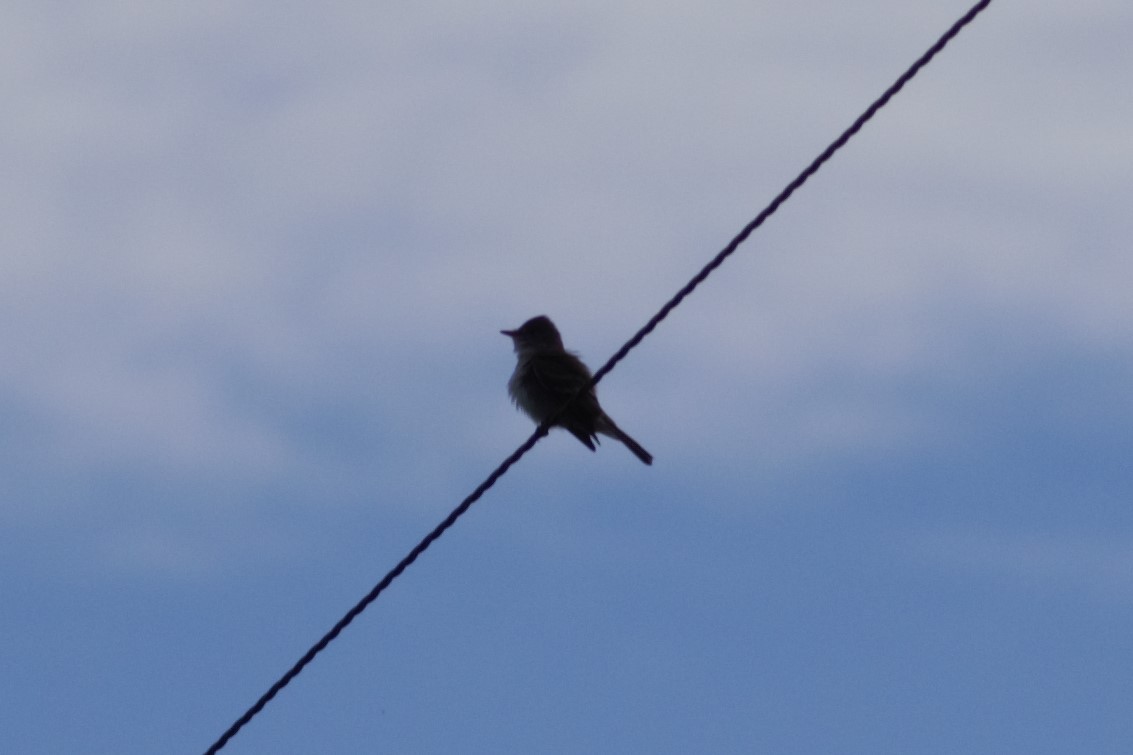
(547, 376)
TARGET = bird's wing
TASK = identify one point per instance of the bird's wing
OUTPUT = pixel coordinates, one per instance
(559, 376)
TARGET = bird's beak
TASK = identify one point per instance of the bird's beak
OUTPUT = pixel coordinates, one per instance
(508, 333)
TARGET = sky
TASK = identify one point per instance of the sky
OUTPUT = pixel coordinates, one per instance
(255, 261)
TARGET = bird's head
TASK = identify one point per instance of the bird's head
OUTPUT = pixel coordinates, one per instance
(537, 334)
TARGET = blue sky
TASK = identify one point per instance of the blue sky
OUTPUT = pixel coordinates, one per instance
(255, 261)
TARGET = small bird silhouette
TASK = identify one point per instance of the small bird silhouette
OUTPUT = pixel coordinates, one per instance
(547, 376)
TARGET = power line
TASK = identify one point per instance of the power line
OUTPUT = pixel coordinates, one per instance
(621, 353)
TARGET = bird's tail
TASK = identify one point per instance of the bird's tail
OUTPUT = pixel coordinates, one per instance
(606, 426)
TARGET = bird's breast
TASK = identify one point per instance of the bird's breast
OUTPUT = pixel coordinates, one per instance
(517, 389)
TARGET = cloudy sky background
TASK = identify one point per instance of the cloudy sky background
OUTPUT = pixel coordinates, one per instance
(255, 258)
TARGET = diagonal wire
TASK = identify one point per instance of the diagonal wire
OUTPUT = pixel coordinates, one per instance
(621, 353)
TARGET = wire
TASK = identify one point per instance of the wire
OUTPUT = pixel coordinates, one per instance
(621, 353)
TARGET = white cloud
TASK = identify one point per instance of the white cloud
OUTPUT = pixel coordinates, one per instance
(1101, 566)
(337, 206)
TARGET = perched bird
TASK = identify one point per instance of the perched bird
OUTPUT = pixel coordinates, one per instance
(547, 376)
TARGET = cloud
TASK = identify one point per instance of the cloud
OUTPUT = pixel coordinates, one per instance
(233, 245)
(1101, 566)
